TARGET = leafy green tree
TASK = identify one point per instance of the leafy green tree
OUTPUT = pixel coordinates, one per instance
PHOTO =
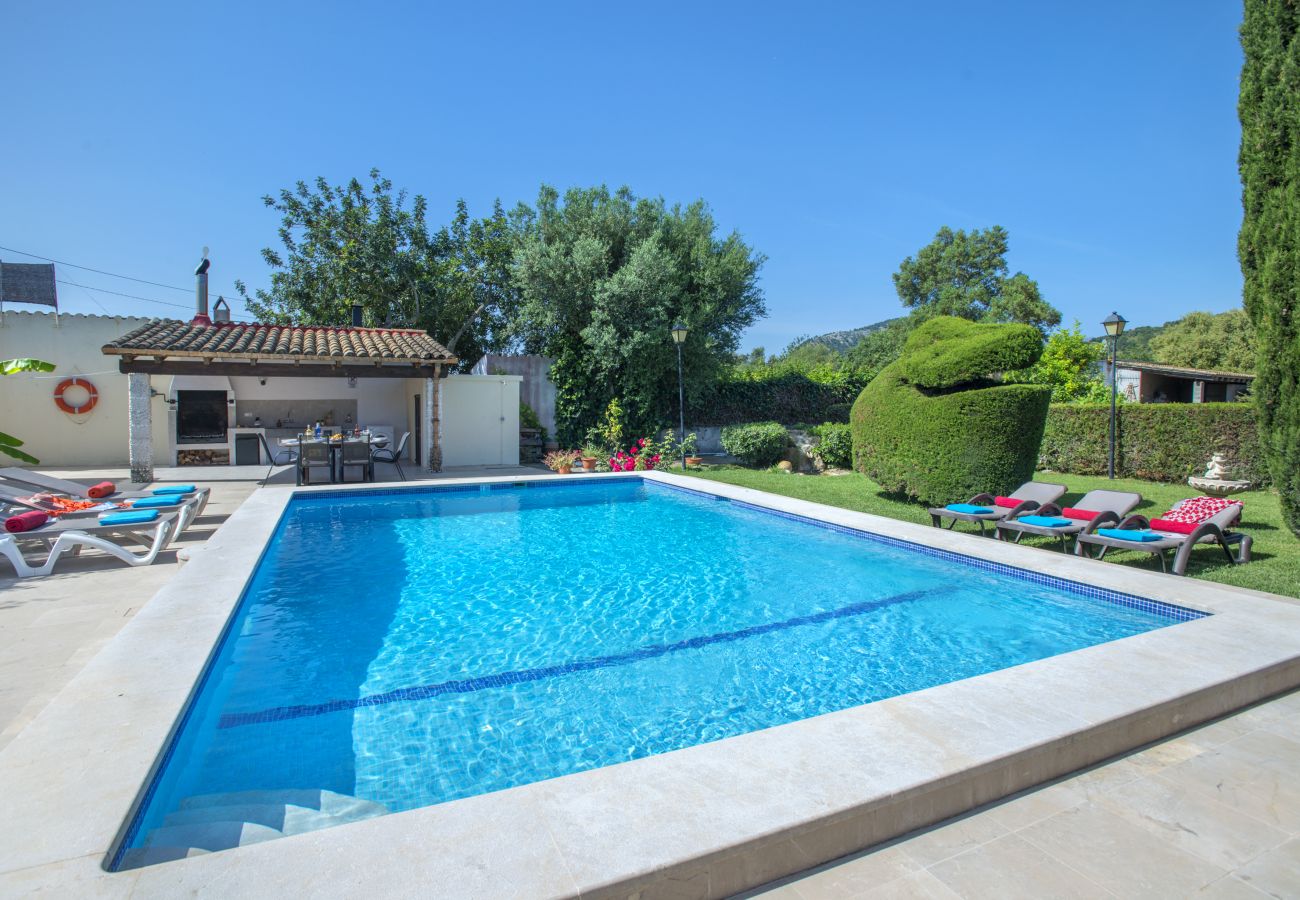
(603, 276)
(964, 274)
(8, 443)
(1203, 340)
(1269, 242)
(1069, 367)
(365, 244)
(881, 347)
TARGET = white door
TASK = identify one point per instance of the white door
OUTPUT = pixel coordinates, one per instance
(480, 421)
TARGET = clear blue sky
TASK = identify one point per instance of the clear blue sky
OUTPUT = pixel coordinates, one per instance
(837, 138)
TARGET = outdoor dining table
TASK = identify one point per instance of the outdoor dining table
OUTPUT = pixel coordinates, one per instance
(336, 452)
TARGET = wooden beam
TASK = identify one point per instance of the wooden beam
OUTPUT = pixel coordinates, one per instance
(276, 370)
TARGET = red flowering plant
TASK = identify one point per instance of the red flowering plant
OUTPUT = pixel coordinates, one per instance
(642, 455)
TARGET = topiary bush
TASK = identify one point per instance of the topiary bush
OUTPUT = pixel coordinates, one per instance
(759, 444)
(938, 426)
(834, 445)
(1156, 441)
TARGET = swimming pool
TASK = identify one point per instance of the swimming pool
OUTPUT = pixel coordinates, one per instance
(403, 648)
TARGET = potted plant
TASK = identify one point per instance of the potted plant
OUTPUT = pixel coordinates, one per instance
(561, 461)
(590, 455)
(688, 450)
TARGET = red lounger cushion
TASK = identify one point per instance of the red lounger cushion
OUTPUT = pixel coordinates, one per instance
(1071, 512)
(25, 521)
(1175, 527)
(1008, 502)
(101, 490)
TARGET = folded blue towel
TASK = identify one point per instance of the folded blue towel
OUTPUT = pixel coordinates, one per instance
(1045, 521)
(969, 508)
(151, 502)
(129, 518)
(175, 489)
(1130, 534)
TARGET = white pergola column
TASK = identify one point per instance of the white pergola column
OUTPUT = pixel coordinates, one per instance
(140, 420)
(433, 424)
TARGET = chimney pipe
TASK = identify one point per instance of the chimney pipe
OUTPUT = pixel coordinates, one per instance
(356, 315)
(201, 292)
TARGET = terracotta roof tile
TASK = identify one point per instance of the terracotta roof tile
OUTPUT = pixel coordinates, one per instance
(170, 337)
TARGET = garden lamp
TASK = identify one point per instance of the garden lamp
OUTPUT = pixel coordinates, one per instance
(1114, 325)
(679, 338)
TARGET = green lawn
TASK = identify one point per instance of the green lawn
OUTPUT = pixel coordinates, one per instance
(1275, 566)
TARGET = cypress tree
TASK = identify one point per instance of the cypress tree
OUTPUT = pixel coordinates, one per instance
(1269, 243)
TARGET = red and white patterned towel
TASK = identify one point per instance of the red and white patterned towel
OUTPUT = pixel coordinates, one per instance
(1195, 510)
(1187, 514)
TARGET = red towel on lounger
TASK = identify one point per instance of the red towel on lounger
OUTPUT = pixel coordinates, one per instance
(25, 521)
(1175, 527)
(1071, 512)
(1008, 502)
(101, 490)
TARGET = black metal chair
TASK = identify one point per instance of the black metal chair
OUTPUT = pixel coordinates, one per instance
(391, 455)
(314, 456)
(356, 453)
(283, 457)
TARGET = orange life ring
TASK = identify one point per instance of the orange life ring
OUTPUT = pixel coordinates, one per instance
(68, 407)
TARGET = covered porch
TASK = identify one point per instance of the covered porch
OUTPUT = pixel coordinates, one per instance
(235, 387)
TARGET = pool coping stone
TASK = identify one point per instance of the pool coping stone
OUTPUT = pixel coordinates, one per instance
(707, 821)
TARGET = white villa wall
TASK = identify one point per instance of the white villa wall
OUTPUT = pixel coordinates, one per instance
(100, 438)
(72, 343)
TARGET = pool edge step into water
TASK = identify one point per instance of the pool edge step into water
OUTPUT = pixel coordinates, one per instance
(210, 822)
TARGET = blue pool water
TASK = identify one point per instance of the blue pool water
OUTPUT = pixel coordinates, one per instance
(413, 647)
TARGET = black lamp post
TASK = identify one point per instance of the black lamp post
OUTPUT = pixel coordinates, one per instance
(679, 338)
(1114, 325)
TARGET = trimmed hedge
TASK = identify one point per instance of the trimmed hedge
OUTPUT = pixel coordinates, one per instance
(788, 397)
(944, 447)
(1156, 441)
(760, 444)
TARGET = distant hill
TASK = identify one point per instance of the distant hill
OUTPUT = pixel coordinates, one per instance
(844, 341)
(1135, 344)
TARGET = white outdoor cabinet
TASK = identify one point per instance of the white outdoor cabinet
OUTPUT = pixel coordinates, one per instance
(480, 420)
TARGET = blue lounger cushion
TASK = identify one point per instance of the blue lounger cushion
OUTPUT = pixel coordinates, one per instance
(969, 508)
(1045, 521)
(129, 517)
(151, 502)
(1130, 534)
(175, 489)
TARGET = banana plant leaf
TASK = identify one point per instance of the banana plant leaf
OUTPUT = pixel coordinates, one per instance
(12, 366)
(9, 447)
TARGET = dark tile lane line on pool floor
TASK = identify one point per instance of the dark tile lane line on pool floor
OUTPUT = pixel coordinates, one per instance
(469, 685)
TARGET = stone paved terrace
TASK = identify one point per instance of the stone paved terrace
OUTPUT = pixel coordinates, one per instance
(1214, 812)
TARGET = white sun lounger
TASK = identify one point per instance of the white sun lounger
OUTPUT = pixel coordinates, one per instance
(39, 481)
(73, 541)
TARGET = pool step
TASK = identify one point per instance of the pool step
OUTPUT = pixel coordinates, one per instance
(147, 856)
(209, 822)
(285, 818)
(213, 835)
(326, 801)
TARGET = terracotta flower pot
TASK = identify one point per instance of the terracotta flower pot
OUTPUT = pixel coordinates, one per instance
(589, 463)
(694, 460)
(564, 470)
